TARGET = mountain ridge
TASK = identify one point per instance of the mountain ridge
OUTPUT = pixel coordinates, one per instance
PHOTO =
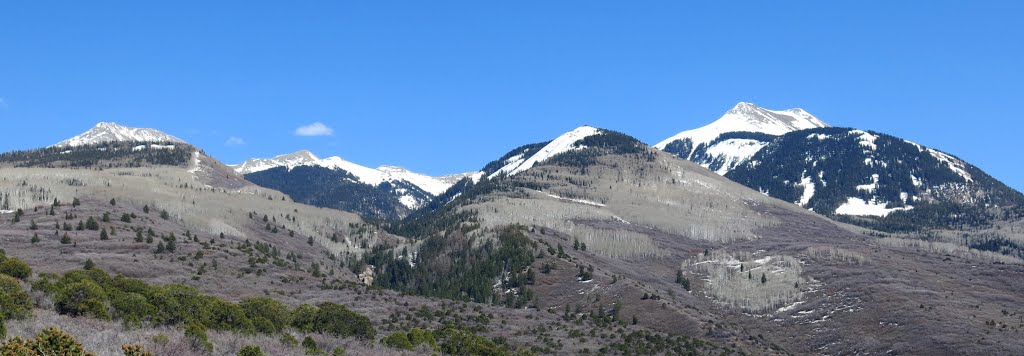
(112, 132)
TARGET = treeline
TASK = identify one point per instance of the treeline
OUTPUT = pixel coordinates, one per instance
(103, 155)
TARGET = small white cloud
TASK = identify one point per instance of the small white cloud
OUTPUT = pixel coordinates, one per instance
(3, 104)
(234, 141)
(314, 129)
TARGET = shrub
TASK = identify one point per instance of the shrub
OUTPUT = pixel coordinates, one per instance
(54, 341)
(178, 304)
(15, 303)
(458, 342)
(304, 318)
(311, 347)
(398, 340)
(289, 340)
(83, 298)
(338, 351)
(3, 329)
(135, 350)
(133, 309)
(420, 337)
(17, 346)
(268, 316)
(224, 315)
(337, 320)
(250, 350)
(15, 268)
(195, 333)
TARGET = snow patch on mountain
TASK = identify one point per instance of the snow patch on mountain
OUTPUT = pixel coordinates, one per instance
(871, 187)
(111, 132)
(808, 184)
(734, 152)
(955, 165)
(866, 139)
(859, 207)
(564, 143)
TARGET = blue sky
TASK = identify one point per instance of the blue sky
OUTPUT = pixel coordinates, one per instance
(442, 87)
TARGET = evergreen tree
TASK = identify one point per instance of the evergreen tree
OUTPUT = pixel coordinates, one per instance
(764, 278)
(65, 240)
(35, 238)
(113, 202)
(103, 234)
(89, 264)
(91, 224)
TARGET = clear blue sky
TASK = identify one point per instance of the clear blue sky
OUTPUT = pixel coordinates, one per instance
(443, 87)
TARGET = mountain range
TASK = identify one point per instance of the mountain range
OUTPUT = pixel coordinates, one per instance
(765, 232)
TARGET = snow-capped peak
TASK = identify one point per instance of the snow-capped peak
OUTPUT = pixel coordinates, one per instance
(366, 175)
(291, 160)
(747, 117)
(565, 142)
(112, 132)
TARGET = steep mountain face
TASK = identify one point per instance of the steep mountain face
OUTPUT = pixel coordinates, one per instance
(736, 136)
(849, 172)
(383, 193)
(856, 176)
(105, 132)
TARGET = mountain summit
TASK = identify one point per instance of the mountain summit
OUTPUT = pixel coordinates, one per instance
(736, 136)
(112, 132)
(747, 117)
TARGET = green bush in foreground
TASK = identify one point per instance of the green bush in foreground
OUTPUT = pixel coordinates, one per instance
(15, 268)
(135, 303)
(51, 341)
(135, 350)
(15, 303)
(250, 350)
(411, 340)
